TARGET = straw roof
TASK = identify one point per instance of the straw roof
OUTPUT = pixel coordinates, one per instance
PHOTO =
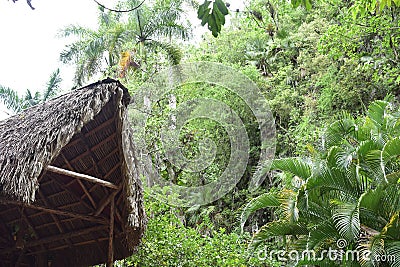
(67, 176)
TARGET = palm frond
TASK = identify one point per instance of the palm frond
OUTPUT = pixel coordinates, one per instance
(390, 154)
(10, 98)
(267, 200)
(75, 30)
(393, 253)
(347, 220)
(278, 228)
(173, 52)
(296, 166)
(338, 157)
(340, 131)
(321, 234)
(335, 179)
(52, 85)
(376, 111)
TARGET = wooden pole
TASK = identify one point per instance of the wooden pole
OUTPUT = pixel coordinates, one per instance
(110, 260)
(50, 239)
(55, 211)
(104, 202)
(81, 176)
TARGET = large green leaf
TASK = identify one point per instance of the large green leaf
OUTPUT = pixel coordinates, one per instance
(371, 207)
(10, 98)
(390, 154)
(393, 253)
(296, 166)
(266, 200)
(214, 17)
(335, 179)
(376, 111)
(340, 131)
(278, 228)
(347, 220)
(322, 233)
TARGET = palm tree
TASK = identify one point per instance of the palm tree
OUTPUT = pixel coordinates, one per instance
(17, 103)
(348, 191)
(126, 40)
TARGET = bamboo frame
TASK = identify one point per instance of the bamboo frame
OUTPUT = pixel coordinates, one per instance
(56, 211)
(81, 176)
(59, 237)
(79, 182)
(110, 258)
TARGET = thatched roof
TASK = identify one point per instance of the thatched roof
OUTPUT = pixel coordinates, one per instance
(68, 175)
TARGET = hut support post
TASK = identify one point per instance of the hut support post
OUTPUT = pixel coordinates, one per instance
(41, 261)
(110, 260)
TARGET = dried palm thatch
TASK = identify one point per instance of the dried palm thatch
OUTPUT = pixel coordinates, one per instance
(70, 193)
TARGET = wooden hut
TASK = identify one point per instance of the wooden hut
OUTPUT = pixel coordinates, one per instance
(70, 194)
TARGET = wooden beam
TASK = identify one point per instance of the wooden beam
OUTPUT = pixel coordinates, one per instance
(95, 160)
(54, 238)
(79, 182)
(83, 243)
(104, 202)
(29, 223)
(45, 225)
(81, 176)
(106, 175)
(100, 127)
(104, 141)
(68, 235)
(110, 259)
(72, 193)
(54, 217)
(55, 211)
(86, 153)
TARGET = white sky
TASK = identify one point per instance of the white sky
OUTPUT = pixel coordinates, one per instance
(29, 48)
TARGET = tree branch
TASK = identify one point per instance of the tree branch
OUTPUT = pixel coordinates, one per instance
(120, 11)
(28, 2)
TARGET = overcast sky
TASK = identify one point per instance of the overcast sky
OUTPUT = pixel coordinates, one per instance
(29, 48)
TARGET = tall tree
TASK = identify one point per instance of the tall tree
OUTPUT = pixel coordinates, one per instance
(125, 39)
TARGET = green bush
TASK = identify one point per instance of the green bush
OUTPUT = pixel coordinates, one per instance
(168, 242)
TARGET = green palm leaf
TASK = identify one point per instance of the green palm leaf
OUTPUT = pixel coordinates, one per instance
(10, 98)
(296, 166)
(393, 253)
(390, 154)
(335, 179)
(323, 233)
(347, 220)
(276, 229)
(339, 131)
(173, 52)
(52, 85)
(376, 111)
(267, 200)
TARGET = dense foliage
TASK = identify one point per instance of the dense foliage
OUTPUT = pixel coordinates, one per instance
(168, 242)
(347, 190)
